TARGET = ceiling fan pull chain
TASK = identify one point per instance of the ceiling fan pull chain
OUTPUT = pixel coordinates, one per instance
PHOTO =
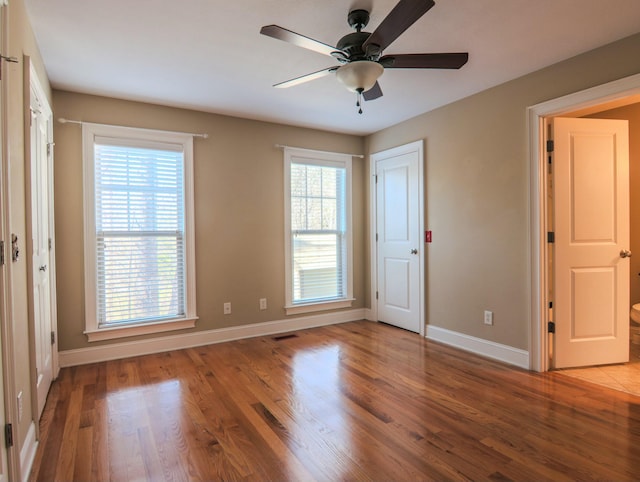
(359, 101)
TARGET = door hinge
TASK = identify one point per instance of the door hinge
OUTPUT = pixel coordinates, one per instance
(53, 337)
(376, 295)
(550, 146)
(551, 237)
(1, 253)
(8, 435)
(50, 244)
(551, 327)
(376, 237)
(376, 176)
(4, 57)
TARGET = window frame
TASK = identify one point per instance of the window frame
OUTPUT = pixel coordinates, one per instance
(317, 158)
(129, 135)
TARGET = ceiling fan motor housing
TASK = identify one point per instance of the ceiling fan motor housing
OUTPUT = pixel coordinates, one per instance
(352, 45)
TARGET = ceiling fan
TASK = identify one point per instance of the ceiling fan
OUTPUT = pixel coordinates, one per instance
(360, 53)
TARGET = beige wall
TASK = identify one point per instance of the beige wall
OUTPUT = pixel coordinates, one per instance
(239, 204)
(21, 43)
(476, 178)
(632, 114)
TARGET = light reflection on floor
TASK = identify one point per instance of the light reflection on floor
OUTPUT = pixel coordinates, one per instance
(131, 415)
(624, 377)
(317, 374)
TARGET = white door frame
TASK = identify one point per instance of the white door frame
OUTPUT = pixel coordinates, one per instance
(416, 146)
(6, 271)
(610, 92)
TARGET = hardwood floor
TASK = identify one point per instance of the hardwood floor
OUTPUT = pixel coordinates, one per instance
(356, 401)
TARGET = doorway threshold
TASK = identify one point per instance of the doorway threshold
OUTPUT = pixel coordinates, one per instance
(624, 377)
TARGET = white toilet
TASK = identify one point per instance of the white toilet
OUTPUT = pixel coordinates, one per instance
(635, 323)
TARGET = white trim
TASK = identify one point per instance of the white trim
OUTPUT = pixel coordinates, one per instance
(161, 138)
(479, 346)
(373, 254)
(7, 279)
(53, 286)
(140, 329)
(28, 452)
(609, 92)
(320, 158)
(369, 315)
(117, 351)
(416, 146)
(322, 306)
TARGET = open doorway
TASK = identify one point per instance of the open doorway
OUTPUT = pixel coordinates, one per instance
(623, 376)
(609, 101)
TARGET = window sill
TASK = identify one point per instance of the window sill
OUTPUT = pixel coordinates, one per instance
(321, 306)
(140, 329)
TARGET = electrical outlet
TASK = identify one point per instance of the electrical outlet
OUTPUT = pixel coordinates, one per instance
(488, 317)
(263, 303)
(227, 308)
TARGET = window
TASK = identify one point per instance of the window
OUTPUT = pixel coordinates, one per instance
(139, 268)
(318, 231)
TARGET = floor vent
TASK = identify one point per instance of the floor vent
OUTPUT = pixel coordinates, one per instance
(284, 337)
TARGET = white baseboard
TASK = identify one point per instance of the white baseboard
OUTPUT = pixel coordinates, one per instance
(490, 349)
(28, 452)
(369, 314)
(115, 351)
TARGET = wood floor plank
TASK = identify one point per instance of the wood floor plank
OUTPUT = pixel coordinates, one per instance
(99, 444)
(71, 429)
(355, 401)
(83, 463)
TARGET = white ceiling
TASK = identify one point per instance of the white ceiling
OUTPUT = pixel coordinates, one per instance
(208, 55)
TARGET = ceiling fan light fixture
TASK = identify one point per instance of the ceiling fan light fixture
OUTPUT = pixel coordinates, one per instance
(359, 75)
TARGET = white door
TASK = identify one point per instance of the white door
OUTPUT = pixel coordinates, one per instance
(591, 224)
(40, 265)
(399, 224)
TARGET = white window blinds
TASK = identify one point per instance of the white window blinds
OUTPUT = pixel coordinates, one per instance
(318, 231)
(139, 222)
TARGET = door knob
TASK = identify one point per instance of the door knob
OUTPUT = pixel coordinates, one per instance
(625, 253)
(414, 251)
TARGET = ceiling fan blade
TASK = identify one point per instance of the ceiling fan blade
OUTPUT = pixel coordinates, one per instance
(373, 93)
(294, 38)
(425, 61)
(305, 78)
(403, 15)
